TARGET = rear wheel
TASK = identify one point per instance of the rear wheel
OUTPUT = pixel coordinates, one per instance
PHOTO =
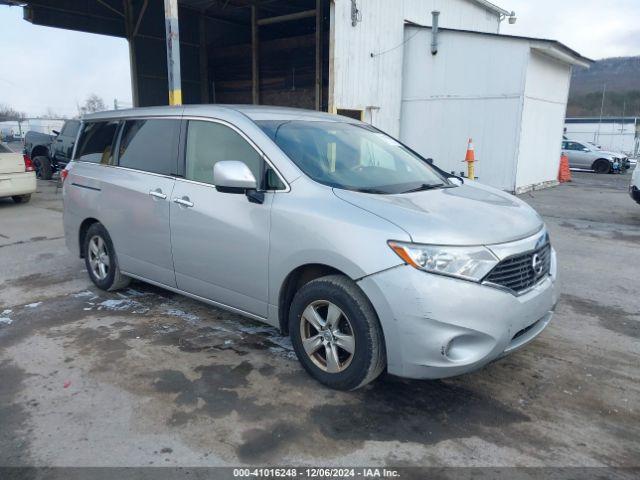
(100, 259)
(21, 198)
(336, 333)
(602, 166)
(43, 168)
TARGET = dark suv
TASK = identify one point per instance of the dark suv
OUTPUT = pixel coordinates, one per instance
(49, 153)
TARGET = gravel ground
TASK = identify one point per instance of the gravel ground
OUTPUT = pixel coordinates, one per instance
(146, 377)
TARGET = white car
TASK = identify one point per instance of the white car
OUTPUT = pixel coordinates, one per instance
(634, 187)
(588, 156)
(17, 177)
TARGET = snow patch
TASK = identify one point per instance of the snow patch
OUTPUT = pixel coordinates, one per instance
(85, 293)
(257, 330)
(176, 312)
(33, 305)
(5, 321)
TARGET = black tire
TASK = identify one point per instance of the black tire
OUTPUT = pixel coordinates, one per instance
(368, 359)
(21, 198)
(602, 166)
(43, 167)
(114, 280)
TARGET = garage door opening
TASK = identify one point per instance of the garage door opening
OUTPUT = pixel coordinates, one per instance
(279, 57)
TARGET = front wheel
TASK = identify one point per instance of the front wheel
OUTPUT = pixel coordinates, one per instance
(602, 166)
(336, 333)
(100, 259)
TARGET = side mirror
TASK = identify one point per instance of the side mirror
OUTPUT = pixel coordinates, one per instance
(233, 175)
(430, 161)
(56, 132)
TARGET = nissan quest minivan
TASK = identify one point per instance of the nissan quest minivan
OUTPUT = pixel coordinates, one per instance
(366, 254)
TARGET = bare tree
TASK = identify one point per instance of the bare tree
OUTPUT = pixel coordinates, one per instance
(8, 113)
(92, 104)
(51, 114)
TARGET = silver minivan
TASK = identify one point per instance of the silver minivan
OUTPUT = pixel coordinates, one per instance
(370, 257)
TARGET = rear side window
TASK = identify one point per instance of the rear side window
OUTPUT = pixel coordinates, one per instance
(96, 142)
(150, 145)
(209, 143)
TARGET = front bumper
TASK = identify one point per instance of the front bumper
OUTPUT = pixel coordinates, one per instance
(437, 326)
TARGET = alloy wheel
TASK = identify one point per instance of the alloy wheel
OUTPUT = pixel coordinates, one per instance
(327, 336)
(99, 257)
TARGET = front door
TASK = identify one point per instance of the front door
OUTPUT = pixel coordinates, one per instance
(578, 157)
(220, 241)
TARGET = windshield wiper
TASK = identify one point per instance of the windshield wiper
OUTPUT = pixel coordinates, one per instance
(426, 186)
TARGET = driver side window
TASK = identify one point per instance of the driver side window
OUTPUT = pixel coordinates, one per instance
(209, 143)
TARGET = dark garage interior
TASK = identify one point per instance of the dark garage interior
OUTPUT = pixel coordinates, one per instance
(271, 52)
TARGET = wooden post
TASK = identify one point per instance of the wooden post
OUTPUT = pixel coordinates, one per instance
(255, 58)
(319, 37)
(204, 62)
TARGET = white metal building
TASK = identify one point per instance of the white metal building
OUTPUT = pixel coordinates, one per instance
(508, 93)
(366, 49)
(617, 134)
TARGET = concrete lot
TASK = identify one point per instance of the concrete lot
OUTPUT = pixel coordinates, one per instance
(146, 377)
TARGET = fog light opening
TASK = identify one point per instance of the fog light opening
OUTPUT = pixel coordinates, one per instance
(446, 349)
(466, 348)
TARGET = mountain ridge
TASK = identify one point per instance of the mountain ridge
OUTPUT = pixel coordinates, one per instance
(621, 75)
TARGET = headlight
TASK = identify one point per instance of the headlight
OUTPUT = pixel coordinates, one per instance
(469, 263)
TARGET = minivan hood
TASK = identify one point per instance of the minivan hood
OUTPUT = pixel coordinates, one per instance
(471, 214)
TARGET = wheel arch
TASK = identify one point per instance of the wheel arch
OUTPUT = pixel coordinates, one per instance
(298, 277)
(39, 151)
(82, 232)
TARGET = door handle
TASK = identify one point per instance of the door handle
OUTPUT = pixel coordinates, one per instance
(184, 201)
(158, 194)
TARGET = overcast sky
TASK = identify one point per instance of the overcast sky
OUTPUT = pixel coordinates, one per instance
(50, 67)
(47, 67)
(595, 28)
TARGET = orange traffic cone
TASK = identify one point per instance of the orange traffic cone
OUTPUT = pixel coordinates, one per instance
(471, 159)
(565, 173)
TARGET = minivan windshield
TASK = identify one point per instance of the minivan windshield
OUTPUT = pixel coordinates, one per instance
(352, 156)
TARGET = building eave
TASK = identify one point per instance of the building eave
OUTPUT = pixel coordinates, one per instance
(492, 7)
(552, 48)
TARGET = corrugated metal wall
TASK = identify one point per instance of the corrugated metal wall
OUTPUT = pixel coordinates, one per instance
(495, 89)
(545, 105)
(473, 88)
(374, 84)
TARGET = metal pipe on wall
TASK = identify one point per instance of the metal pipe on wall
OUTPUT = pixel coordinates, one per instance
(434, 31)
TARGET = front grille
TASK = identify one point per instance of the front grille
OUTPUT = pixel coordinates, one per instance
(517, 273)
